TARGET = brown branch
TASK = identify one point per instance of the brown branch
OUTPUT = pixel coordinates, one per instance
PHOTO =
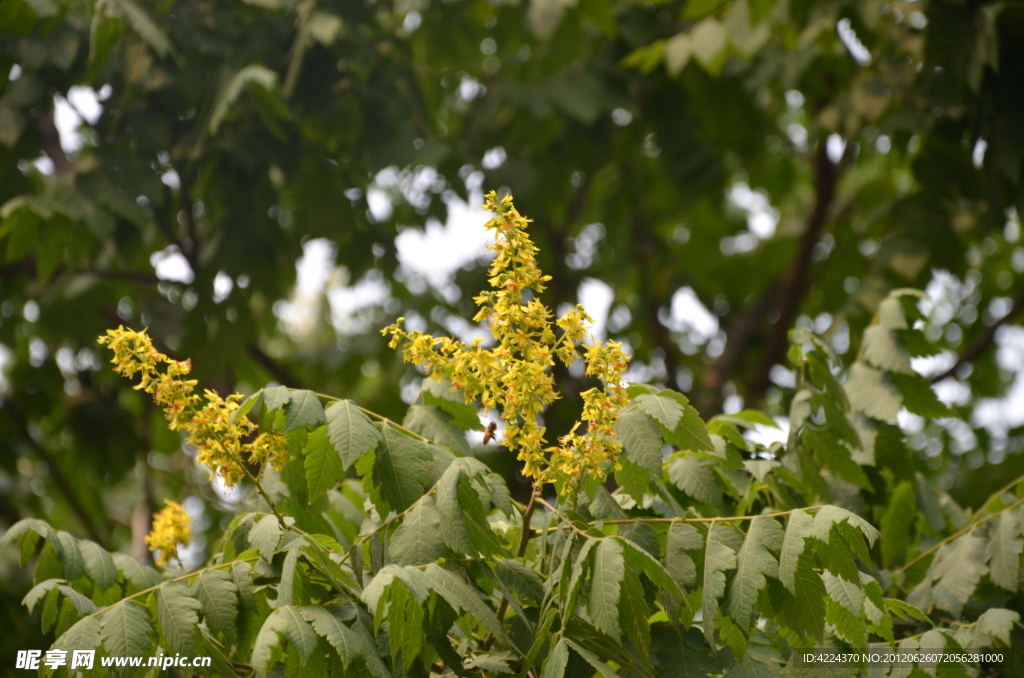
(58, 477)
(981, 341)
(276, 369)
(794, 287)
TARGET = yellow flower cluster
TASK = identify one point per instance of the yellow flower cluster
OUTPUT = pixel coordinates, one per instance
(515, 376)
(212, 431)
(171, 528)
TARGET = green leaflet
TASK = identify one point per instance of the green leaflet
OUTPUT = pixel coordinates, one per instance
(350, 431)
(400, 468)
(265, 535)
(633, 612)
(680, 566)
(98, 564)
(141, 576)
(83, 635)
(663, 409)
(303, 411)
(640, 440)
(845, 593)
(452, 401)
(276, 397)
(695, 477)
(554, 665)
(719, 557)
(324, 467)
(849, 626)
(126, 630)
(417, 541)
(284, 622)
(591, 659)
(519, 578)
(869, 392)
(956, 571)
(436, 425)
(754, 562)
(82, 603)
(177, 612)
(606, 586)
(1003, 550)
(641, 560)
(405, 624)
(898, 522)
(215, 590)
(801, 606)
(829, 515)
(461, 596)
(38, 592)
(344, 640)
(633, 479)
(880, 348)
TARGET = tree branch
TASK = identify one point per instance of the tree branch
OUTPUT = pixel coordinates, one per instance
(794, 287)
(58, 477)
(276, 370)
(981, 341)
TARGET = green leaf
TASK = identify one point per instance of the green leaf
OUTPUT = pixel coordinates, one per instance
(344, 640)
(246, 406)
(755, 668)
(215, 590)
(265, 535)
(405, 625)
(849, 626)
(435, 424)
(519, 578)
(461, 596)
(452, 401)
(324, 467)
(919, 398)
(845, 593)
(417, 541)
(696, 478)
(558, 658)
(400, 468)
(753, 563)
(178, 614)
(69, 554)
(98, 564)
(801, 607)
(303, 411)
(350, 431)
(606, 587)
(241, 575)
(957, 569)
(835, 456)
(760, 468)
(126, 630)
(1004, 549)
(998, 623)
(284, 622)
(642, 560)
(82, 603)
(276, 397)
(682, 538)
(747, 419)
(633, 612)
(640, 440)
(691, 434)
(141, 576)
(591, 659)
(83, 635)
(634, 479)
(897, 524)
(719, 557)
(663, 409)
(253, 74)
(905, 610)
(880, 348)
(39, 591)
(870, 393)
(829, 515)
(799, 526)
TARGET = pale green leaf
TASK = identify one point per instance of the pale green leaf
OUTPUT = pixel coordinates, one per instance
(719, 557)
(350, 431)
(265, 535)
(417, 541)
(276, 397)
(558, 658)
(178, 614)
(663, 409)
(847, 594)
(760, 468)
(682, 538)
(880, 348)
(633, 612)
(870, 393)
(696, 478)
(998, 623)
(141, 576)
(642, 560)
(285, 622)
(640, 440)
(436, 425)
(344, 640)
(261, 76)
(461, 596)
(605, 587)
(1004, 549)
(143, 24)
(98, 564)
(829, 515)
(400, 468)
(216, 592)
(957, 569)
(126, 630)
(39, 591)
(754, 562)
(799, 526)
(82, 603)
(303, 410)
(83, 635)
(324, 468)
(519, 578)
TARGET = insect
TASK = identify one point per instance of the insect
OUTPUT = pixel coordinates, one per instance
(489, 432)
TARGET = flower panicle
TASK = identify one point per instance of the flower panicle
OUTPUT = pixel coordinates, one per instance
(223, 442)
(171, 528)
(514, 374)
